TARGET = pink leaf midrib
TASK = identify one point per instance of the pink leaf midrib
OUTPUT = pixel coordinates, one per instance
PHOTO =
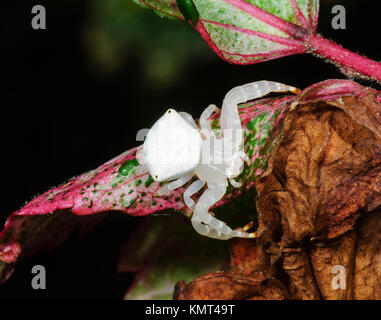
(291, 29)
(300, 15)
(221, 53)
(270, 37)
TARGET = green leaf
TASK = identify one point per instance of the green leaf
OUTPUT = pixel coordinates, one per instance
(246, 32)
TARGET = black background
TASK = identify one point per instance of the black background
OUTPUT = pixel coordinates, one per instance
(58, 121)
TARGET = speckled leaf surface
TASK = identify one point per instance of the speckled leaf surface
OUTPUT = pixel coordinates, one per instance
(122, 184)
(252, 31)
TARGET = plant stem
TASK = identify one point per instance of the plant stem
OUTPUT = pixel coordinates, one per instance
(350, 62)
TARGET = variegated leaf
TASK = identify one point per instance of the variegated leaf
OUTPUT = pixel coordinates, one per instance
(249, 31)
(123, 185)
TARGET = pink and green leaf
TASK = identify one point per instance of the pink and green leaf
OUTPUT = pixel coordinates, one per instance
(122, 184)
(252, 31)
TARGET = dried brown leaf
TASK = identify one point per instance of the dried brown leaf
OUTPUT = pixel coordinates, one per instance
(367, 273)
(317, 209)
(229, 286)
(325, 174)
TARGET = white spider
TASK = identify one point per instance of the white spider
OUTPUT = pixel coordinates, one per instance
(175, 150)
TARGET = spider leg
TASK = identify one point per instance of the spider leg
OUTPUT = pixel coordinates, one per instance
(205, 224)
(191, 190)
(204, 124)
(259, 89)
(242, 156)
(236, 165)
(245, 157)
(229, 114)
(174, 184)
(234, 183)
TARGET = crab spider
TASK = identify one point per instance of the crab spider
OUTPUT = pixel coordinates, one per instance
(175, 151)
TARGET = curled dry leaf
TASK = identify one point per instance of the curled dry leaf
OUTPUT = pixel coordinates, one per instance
(325, 175)
(326, 170)
(317, 203)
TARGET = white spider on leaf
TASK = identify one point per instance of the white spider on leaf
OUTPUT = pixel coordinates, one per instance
(175, 150)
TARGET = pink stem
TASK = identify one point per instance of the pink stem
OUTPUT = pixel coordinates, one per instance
(347, 60)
